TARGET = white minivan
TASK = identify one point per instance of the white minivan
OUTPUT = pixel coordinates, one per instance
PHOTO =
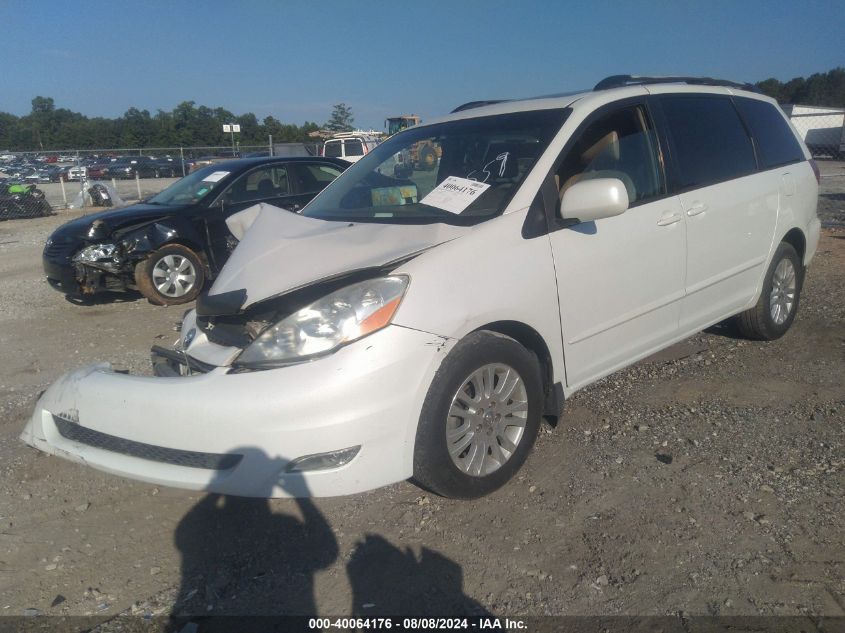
(420, 326)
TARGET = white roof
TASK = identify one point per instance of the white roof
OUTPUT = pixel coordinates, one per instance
(591, 99)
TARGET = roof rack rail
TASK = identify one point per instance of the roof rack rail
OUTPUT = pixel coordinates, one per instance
(618, 81)
(476, 104)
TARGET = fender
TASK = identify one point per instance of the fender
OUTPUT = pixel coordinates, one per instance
(140, 240)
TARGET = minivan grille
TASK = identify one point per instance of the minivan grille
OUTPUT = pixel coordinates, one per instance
(190, 459)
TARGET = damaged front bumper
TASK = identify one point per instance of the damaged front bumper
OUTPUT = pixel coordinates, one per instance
(86, 278)
(246, 433)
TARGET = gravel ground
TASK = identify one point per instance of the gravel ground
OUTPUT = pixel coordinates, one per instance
(708, 479)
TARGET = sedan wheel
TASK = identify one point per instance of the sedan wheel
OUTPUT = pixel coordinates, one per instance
(172, 275)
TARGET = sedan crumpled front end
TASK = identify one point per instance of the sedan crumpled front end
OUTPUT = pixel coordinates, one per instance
(85, 261)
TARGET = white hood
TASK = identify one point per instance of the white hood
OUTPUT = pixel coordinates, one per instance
(280, 251)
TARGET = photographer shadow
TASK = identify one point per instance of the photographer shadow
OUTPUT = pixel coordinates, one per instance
(389, 581)
(240, 558)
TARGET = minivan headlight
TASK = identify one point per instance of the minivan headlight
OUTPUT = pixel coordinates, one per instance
(343, 316)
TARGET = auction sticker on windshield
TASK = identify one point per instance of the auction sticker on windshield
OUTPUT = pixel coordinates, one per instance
(455, 194)
(215, 176)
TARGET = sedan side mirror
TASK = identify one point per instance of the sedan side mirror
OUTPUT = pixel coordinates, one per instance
(595, 199)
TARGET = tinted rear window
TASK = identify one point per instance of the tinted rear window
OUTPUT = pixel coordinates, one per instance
(709, 140)
(776, 143)
(333, 148)
(354, 148)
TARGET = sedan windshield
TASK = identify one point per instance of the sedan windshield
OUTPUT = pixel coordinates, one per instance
(458, 172)
(192, 188)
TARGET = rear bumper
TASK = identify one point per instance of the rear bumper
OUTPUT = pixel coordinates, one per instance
(250, 426)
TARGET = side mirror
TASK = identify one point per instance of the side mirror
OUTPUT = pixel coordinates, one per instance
(595, 199)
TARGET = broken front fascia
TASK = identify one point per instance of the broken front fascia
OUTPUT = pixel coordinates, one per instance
(248, 433)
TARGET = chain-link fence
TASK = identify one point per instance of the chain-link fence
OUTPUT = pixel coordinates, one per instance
(823, 130)
(34, 184)
(820, 128)
(832, 192)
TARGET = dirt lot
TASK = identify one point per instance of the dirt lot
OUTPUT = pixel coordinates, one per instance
(706, 480)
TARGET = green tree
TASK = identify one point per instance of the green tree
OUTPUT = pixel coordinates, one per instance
(41, 120)
(341, 119)
(821, 89)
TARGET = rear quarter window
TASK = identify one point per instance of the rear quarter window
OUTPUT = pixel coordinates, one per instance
(709, 141)
(776, 144)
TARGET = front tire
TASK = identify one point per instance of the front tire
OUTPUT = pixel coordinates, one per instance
(480, 417)
(172, 275)
(777, 306)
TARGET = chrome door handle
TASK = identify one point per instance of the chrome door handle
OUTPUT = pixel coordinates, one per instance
(666, 220)
(696, 208)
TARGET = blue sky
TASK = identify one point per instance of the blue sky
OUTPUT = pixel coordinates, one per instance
(294, 59)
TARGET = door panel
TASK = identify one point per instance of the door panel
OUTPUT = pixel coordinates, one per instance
(620, 285)
(620, 279)
(730, 227)
(731, 208)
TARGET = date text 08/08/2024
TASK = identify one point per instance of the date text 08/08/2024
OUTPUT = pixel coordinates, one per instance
(416, 624)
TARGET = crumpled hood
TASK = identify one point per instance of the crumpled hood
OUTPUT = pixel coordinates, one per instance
(281, 251)
(113, 218)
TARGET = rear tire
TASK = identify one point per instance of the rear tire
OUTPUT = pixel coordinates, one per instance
(496, 423)
(777, 306)
(172, 275)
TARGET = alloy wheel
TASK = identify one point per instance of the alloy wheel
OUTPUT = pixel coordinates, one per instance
(487, 419)
(782, 297)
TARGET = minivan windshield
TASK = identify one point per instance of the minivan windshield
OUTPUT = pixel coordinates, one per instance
(457, 172)
(192, 188)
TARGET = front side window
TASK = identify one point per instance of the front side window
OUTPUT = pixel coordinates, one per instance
(192, 188)
(710, 142)
(776, 144)
(621, 145)
(458, 172)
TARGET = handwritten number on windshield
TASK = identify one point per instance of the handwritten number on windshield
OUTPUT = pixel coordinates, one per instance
(501, 158)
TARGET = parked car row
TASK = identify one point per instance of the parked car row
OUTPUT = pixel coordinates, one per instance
(107, 166)
(421, 322)
(132, 166)
(53, 168)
